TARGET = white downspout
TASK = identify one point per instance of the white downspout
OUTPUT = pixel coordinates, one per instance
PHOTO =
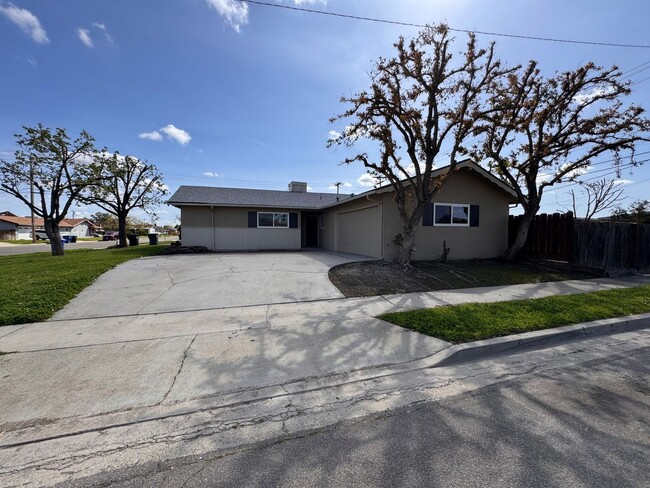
(214, 246)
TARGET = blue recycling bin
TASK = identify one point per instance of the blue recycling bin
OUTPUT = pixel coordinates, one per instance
(65, 239)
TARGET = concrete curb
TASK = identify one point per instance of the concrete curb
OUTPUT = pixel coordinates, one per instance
(542, 338)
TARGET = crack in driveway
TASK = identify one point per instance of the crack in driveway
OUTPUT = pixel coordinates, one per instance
(180, 368)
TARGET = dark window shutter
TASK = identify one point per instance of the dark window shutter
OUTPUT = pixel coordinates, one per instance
(252, 219)
(427, 216)
(473, 215)
(293, 220)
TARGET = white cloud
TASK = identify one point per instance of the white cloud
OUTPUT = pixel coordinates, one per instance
(175, 134)
(367, 180)
(623, 182)
(349, 133)
(212, 174)
(235, 12)
(410, 169)
(333, 136)
(84, 36)
(152, 136)
(27, 21)
(172, 132)
(104, 29)
(576, 172)
(581, 98)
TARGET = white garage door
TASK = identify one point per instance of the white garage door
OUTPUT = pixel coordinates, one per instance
(357, 232)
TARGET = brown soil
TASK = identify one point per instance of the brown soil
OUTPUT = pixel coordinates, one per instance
(369, 278)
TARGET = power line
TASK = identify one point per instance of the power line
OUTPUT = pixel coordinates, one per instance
(410, 24)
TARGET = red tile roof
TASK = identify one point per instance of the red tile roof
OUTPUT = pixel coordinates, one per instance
(27, 221)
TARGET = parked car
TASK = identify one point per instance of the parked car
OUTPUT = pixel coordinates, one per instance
(42, 235)
(111, 236)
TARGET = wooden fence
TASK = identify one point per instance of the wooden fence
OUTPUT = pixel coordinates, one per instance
(595, 244)
(549, 237)
(611, 245)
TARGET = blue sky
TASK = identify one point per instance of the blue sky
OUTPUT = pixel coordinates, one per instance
(218, 95)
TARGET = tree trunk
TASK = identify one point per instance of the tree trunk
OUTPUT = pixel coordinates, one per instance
(53, 233)
(405, 250)
(121, 225)
(513, 252)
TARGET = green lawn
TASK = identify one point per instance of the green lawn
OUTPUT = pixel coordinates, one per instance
(34, 286)
(476, 321)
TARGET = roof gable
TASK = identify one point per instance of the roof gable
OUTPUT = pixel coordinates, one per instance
(466, 165)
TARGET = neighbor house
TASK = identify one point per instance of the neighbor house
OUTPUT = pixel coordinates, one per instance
(469, 213)
(13, 228)
(83, 227)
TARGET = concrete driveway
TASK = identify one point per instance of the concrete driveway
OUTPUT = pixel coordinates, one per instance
(176, 283)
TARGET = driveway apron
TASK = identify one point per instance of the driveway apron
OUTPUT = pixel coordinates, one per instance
(207, 281)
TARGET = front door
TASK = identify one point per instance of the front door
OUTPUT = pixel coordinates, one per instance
(311, 231)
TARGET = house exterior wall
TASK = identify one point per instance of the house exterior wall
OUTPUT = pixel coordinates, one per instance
(231, 232)
(8, 231)
(23, 232)
(81, 230)
(487, 240)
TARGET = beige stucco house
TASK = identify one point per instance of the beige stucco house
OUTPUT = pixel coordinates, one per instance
(470, 213)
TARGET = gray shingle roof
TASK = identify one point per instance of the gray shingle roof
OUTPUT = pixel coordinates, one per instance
(244, 197)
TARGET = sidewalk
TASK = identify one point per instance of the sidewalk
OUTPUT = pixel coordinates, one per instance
(94, 366)
(88, 375)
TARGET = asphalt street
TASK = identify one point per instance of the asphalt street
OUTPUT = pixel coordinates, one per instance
(584, 424)
(12, 249)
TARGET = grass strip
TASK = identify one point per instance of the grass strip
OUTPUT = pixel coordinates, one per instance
(477, 321)
(21, 241)
(34, 286)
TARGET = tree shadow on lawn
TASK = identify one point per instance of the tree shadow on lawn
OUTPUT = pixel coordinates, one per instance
(370, 278)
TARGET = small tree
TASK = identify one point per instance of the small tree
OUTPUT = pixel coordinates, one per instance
(542, 131)
(126, 183)
(638, 212)
(105, 220)
(420, 103)
(601, 195)
(60, 170)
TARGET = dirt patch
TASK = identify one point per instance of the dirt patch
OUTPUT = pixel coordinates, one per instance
(370, 278)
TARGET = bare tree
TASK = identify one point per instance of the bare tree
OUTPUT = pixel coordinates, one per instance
(542, 131)
(126, 183)
(60, 169)
(601, 195)
(420, 103)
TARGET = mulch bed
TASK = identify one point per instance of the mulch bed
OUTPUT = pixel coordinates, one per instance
(370, 278)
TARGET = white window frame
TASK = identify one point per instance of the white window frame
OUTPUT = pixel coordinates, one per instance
(452, 205)
(273, 226)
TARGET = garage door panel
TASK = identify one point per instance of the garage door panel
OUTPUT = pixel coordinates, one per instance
(358, 232)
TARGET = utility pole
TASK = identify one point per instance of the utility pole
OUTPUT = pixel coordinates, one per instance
(31, 198)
